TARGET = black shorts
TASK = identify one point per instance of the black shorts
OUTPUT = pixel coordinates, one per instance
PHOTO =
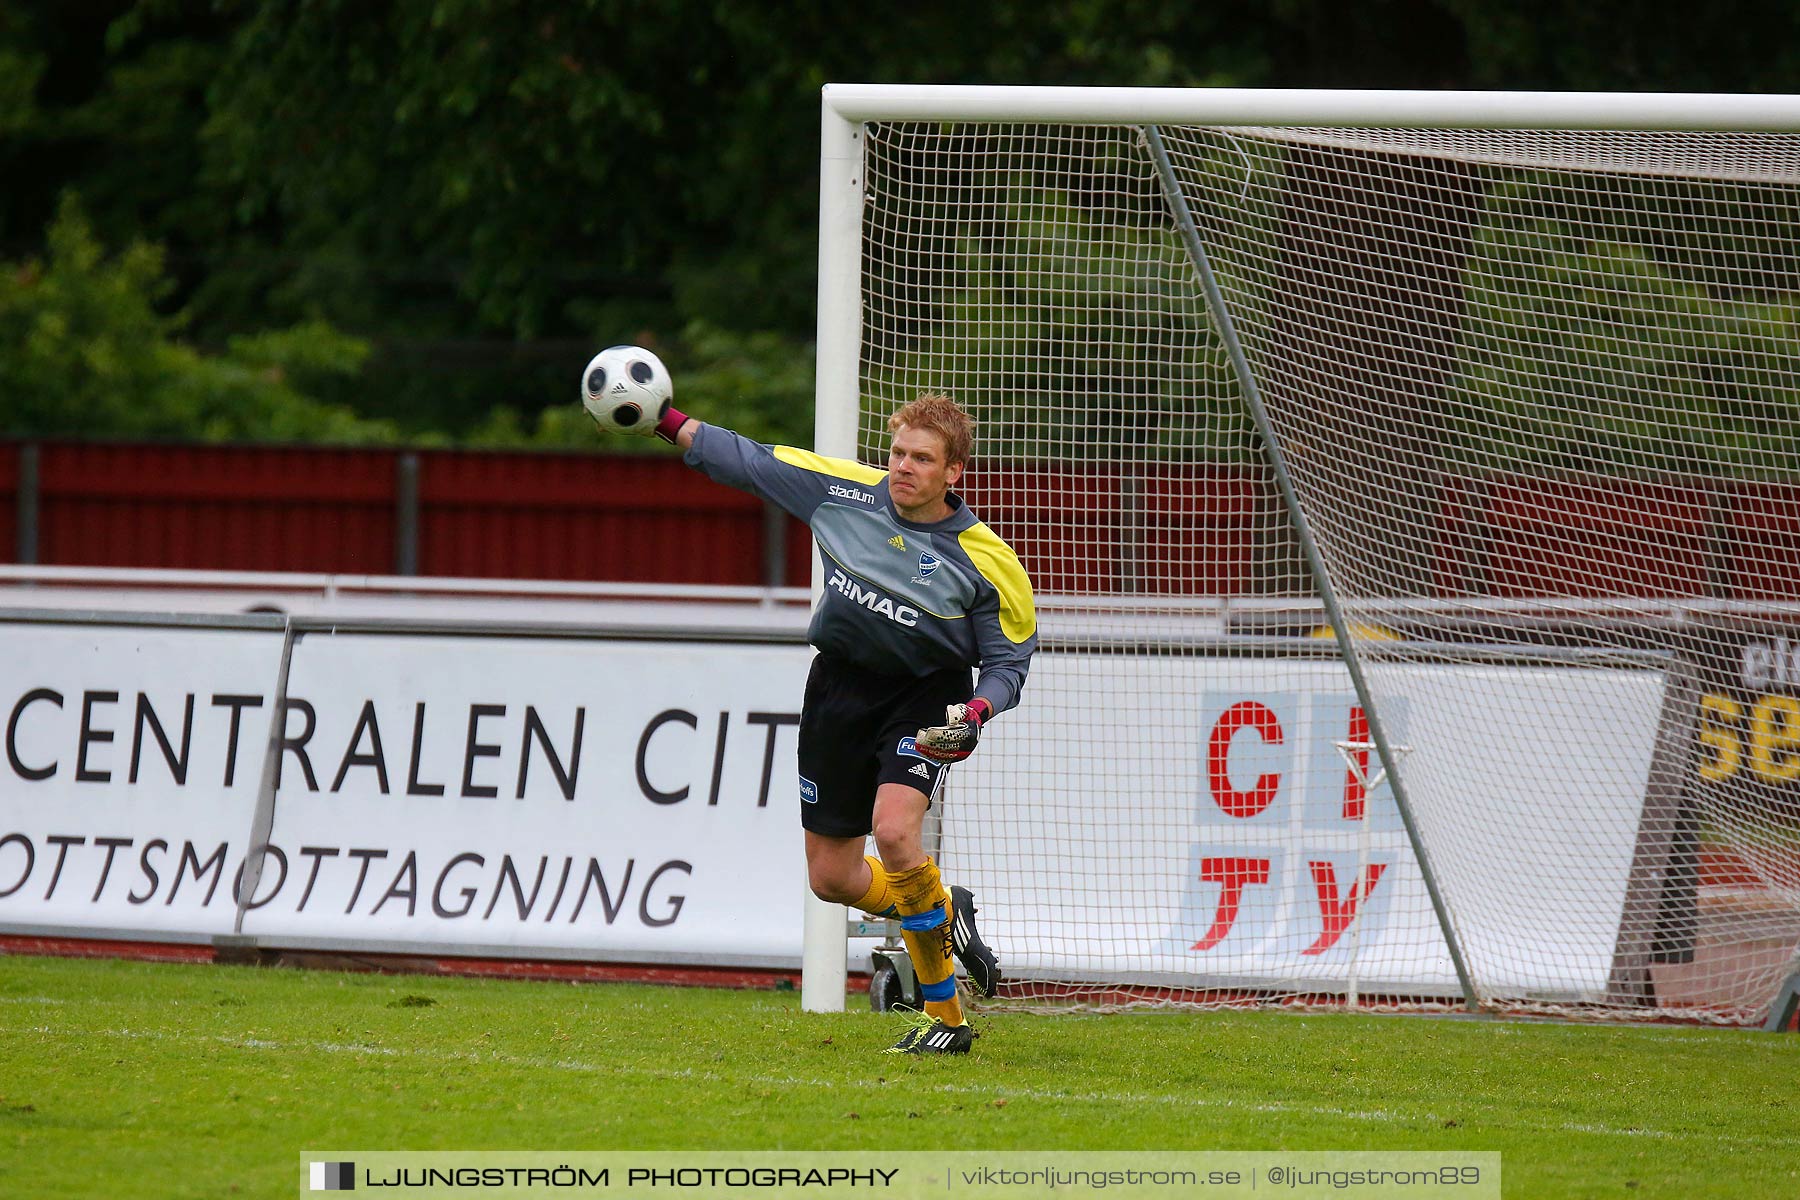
(856, 733)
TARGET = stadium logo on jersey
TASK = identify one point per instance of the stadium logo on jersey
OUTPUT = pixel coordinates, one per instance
(850, 493)
(809, 791)
(908, 747)
(928, 565)
(874, 601)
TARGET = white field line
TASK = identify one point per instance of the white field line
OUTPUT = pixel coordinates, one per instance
(613, 1069)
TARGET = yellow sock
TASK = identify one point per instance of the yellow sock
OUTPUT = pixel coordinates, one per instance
(879, 899)
(925, 925)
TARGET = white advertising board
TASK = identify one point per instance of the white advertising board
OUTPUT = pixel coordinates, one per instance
(614, 800)
(1217, 842)
(485, 795)
(133, 757)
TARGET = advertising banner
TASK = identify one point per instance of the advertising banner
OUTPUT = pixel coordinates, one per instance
(622, 800)
(1221, 839)
(1747, 766)
(1733, 831)
(616, 800)
(133, 758)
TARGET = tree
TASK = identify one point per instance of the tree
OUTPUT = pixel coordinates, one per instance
(91, 355)
(483, 191)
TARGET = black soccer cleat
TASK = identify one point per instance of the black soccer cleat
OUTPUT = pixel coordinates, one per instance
(929, 1035)
(979, 962)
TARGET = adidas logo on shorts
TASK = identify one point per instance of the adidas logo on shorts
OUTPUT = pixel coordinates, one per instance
(921, 770)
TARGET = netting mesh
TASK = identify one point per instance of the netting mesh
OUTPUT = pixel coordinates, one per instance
(1535, 393)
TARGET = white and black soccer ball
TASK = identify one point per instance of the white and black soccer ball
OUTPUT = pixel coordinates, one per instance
(625, 389)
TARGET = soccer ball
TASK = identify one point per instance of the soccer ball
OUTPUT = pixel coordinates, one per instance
(626, 389)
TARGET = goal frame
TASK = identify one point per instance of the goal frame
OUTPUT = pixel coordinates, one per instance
(845, 108)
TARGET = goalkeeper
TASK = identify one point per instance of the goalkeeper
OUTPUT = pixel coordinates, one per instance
(918, 592)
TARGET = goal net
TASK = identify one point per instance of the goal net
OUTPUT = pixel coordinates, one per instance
(1414, 516)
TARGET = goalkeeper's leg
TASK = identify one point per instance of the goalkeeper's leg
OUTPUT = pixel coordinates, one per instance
(919, 894)
(840, 873)
(878, 898)
(925, 924)
(909, 784)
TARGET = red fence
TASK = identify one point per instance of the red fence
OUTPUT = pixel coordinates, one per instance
(1591, 536)
(247, 508)
(1164, 529)
(499, 515)
(383, 512)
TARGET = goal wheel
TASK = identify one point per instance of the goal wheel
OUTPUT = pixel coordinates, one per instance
(886, 989)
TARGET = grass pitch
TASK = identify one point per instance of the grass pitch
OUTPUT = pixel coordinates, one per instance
(125, 1078)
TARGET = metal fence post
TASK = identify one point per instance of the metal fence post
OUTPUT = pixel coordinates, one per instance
(26, 508)
(774, 546)
(406, 514)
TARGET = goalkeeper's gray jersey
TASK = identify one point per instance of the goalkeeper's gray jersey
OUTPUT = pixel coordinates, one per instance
(900, 598)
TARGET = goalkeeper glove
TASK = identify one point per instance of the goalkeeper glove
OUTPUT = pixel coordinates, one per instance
(955, 739)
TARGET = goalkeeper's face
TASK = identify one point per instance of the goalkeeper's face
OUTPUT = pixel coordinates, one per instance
(919, 473)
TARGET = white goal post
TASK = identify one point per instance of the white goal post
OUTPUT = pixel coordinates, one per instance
(1322, 419)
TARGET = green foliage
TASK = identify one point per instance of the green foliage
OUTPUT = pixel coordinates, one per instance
(91, 355)
(19, 73)
(760, 384)
(1071, 325)
(82, 334)
(1622, 45)
(1582, 350)
(458, 169)
(469, 187)
(22, 64)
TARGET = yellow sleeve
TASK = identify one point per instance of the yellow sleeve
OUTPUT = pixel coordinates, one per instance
(1001, 567)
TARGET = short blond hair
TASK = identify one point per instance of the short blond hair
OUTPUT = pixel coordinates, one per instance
(938, 413)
